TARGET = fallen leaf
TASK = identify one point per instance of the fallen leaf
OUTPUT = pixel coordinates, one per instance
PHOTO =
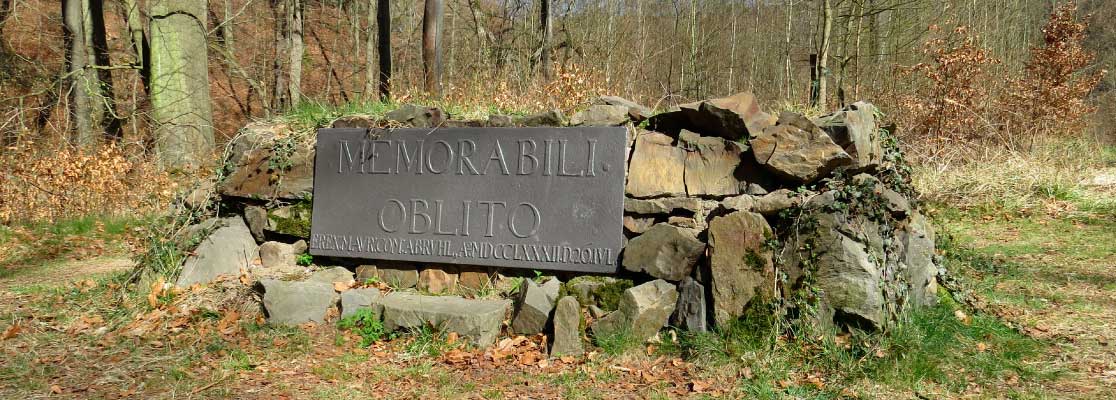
(342, 286)
(961, 316)
(981, 347)
(156, 291)
(11, 332)
(697, 386)
(55, 389)
(451, 338)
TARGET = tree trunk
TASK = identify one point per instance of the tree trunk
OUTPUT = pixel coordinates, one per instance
(383, 39)
(547, 32)
(79, 80)
(138, 40)
(105, 108)
(296, 46)
(432, 47)
(280, 93)
(180, 100)
(370, 55)
(823, 54)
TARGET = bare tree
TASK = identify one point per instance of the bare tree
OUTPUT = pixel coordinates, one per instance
(547, 32)
(383, 40)
(432, 47)
(81, 81)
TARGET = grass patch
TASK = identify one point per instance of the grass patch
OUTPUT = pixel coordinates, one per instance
(366, 325)
(39, 243)
(617, 342)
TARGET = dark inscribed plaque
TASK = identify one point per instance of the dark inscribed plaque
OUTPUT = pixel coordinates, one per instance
(536, 198)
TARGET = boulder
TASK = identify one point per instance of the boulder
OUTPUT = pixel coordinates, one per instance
(533, 306)
(710, 164)
(226, 251)
(285, 170)
(643, 311)
(850, 282)
(436, 280)
(600, 115)
(856, 130)
(656, 168)
(664, 251)
(797, 150)
(359, 121)
(567, 329)
(276, 255)
(921, 270)
(734, 117)
(417, 116)
(545, 118)
(636, 111)
(294, 303)
(333, 275)
(355, 299)
(478, 320)
(690, 312)
(254, 136)
(740, 262)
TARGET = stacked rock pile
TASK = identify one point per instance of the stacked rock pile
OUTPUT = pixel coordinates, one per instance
(727, 208)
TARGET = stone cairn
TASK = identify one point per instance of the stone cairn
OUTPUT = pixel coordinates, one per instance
(728, 210)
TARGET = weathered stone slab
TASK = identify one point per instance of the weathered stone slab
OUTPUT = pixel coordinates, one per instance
(797, 150)
(690, 312)
(657, 167)
(226, 251)
(293, 303)
(710, 164)
(355, 299)
(533, 306)
(271, 173)
(855, 129)
(567, 328)
(333, 275)
(478, 320)
(740, 262)
(734, 117)
(541, 198)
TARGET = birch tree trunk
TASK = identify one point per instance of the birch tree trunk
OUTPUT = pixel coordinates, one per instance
(180, 99)
(823, 54)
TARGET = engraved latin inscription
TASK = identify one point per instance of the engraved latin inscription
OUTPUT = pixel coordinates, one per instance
(542, 198)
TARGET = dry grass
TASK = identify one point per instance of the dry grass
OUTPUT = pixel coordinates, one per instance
(1045, 177)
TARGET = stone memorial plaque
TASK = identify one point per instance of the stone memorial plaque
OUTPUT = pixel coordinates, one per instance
(535, 198)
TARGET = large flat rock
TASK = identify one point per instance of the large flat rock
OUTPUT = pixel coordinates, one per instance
(478, 320)
(294, 303)
(226, 251)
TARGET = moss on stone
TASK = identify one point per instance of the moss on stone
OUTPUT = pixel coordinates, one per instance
(609, 294)
(293, 220)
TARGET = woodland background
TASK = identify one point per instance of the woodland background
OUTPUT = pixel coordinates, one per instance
(961, 77)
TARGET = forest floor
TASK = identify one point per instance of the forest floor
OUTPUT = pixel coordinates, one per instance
(1041, 323)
